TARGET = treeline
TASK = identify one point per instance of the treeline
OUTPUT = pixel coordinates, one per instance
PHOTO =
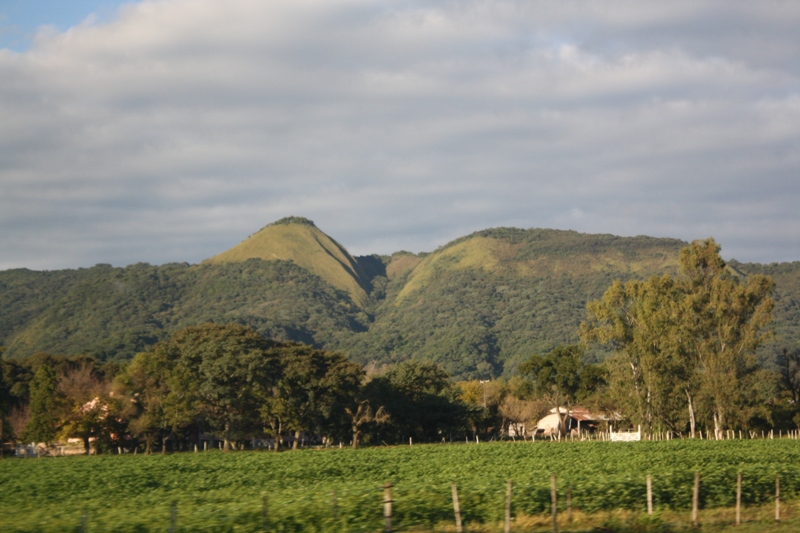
(512, 294)
(230, 382)
(685, 358)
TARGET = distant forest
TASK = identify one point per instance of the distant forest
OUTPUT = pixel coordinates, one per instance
(478, 306)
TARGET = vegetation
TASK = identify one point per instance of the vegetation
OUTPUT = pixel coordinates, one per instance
(174, 357)
(336, 490)
(686, 344)
(227, 383)
(298, 240)
(115, 313)
(479, 306)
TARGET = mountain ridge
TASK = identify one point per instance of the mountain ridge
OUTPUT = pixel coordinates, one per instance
(478, 305)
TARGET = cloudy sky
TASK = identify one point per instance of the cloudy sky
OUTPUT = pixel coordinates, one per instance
(170, 130)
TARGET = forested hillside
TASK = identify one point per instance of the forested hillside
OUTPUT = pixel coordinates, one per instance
(479, 305)
(113, 313)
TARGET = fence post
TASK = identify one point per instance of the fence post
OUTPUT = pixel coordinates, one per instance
(696, 499)
(456, 509)
(173, 517)
(569, 504)
(777, 498)
(508, 507)
(649, 495)
(738, 498)
(387, 507)
(554, 502)
(264, 515)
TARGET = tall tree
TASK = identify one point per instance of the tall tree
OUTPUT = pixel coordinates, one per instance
(44, 407)
(159, 402)
(420, 400)
(651, 371)
(693, 337)
(726, 321)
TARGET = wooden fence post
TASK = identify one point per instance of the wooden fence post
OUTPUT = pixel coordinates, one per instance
(508, 507)
(649, 495)
(457, 509)
(173, 517)
(387, 507)
(696, 499)
(264, 515)
(554, 502)
(738, 498)
(777, 498)
(569, 504)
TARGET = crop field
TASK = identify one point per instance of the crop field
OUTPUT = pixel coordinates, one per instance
(341, 490)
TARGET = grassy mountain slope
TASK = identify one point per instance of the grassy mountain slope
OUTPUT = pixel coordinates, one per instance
(299, 240)
(479, 305)
(485, 302)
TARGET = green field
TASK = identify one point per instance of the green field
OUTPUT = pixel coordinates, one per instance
(213, 491)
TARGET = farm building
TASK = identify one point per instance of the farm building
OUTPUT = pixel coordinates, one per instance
(578, 420)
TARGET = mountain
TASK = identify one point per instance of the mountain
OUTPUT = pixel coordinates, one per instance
(479, 305)
(298, 240)
(483, 303)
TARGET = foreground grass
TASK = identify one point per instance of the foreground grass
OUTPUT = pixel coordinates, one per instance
(341, 490)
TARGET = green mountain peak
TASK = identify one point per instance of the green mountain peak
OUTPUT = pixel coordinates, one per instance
(297, 239)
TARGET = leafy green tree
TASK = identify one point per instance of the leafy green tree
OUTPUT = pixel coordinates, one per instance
(726, 321)
(314, 387)
(14, 379)
(562, 378)
(693, 337)
(146, 381)
(421, 401)
(652, 370)
(225, 369)
(45, 404)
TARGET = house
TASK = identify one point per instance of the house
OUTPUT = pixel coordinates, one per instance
(579, 420)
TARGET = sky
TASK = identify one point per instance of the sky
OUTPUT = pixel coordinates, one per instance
(170, 130)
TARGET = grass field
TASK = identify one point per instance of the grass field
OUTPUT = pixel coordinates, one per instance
(341, 490)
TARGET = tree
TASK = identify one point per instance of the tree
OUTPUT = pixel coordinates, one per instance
(160, 392)
(642, 320)
(214, 373)
(312, 391)
(14, 379)
(85, 404)
(44, 407)
(562, 378)
(225, 370)
(725, 320)
(362, 415)
(420, 399)
(517, 413)
(693, 337)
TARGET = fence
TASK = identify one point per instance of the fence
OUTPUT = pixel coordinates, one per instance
(396, 512)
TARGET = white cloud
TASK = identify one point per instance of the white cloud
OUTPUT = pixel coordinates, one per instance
(182, 126)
